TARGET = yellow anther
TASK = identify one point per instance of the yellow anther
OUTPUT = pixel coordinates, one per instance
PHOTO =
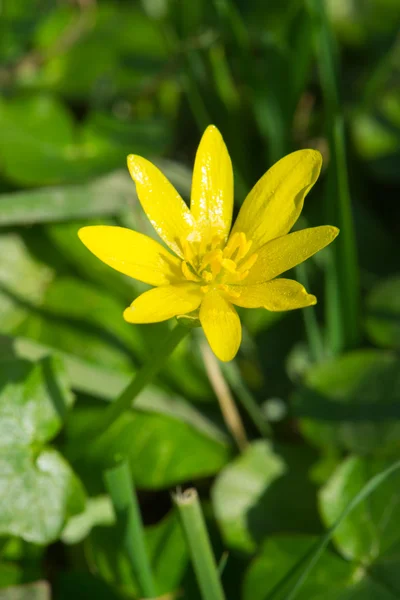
(247, 264)
(241, 276)
(229, 265)
(205, 288)
(188, 273)
(243, 250)
(232, 245)
(207, 276)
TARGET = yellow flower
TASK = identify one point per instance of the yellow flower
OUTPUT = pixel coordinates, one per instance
(212, 268)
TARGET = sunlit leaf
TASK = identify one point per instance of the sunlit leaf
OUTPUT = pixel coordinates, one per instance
(38, 488)
(252, 495)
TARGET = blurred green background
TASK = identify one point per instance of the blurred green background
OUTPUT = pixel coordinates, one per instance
(85, 82)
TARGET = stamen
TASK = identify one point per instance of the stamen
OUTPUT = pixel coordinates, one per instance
(241, 276)
(246, 266)
(188, 273)
(243, 250)
(229, 265)
(232, 245)
(205, 288)
(206, 276)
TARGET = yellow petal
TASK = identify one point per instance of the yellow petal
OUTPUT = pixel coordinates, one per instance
(132, 253)
(286, 252)
(212, 186)
(162, 303)
(276, 295)
(164, 207)
(275, 202)
(221, 325)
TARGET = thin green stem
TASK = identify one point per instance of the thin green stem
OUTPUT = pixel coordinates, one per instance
(198, 542)
(119, 484)
(246, 399)
(342, 299)
(144, 376)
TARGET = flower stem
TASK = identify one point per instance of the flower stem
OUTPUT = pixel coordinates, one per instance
(120, 486)
(144, 376)
(245, 397)
(199, 545)
(226, 402)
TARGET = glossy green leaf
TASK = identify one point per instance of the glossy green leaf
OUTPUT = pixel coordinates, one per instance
(332, 578)
(383, 313)
(372, 528)
(279, 555)
(252, 495)
(352, 402)
(162, 450)
(166, 548)
(38, 488)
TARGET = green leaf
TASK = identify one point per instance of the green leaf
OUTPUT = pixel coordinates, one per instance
(107, 195)
(80, 319)
(166, 549)
(98, 511)
(162, 450)
(39, 489)
(383, 313)
(252, 496)
(37, 141)
(106, 384)
(124, 49)
(33, 591)
(373, 526)
(22, 279)
(42, 145)
(279, 555)
(352, 402)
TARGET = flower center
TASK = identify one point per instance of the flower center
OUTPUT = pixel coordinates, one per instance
(214, 266)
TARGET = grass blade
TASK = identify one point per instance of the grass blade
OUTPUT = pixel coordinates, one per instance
(119, 485)
(199, 545)
(342, 272)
